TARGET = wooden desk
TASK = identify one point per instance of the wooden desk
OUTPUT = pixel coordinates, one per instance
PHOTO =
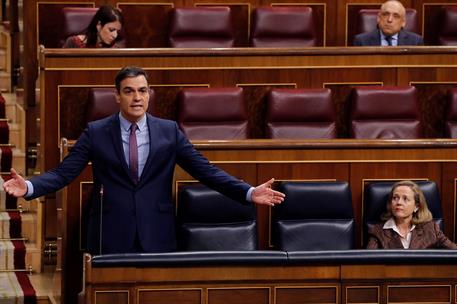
(334, 279)
(358, 162)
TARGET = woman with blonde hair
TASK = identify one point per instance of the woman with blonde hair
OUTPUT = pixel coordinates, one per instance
(407, 222)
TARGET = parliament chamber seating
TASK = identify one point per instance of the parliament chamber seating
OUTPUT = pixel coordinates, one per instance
(450, 125)
(76, 20)
(300, 113)
(102, 103)
(213, 113)
(208, 220)
(376, 196)
(385, 112)
(314, 216)
(447, 29)
(201, 27)
(283, 27)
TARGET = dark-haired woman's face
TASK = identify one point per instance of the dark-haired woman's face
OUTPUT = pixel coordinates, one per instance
(108, 33)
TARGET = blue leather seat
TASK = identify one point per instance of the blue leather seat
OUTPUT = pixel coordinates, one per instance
(314, 216)
(208, 220)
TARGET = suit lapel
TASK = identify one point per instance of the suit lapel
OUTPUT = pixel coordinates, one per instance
(402, 38)
(417, 238)
(114, 130)
(151, 122)
(393, 239)
(375, 38)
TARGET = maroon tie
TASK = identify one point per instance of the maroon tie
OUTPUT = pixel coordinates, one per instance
(133, 152)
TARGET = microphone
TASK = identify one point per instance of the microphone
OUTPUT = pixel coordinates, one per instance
(101, 219)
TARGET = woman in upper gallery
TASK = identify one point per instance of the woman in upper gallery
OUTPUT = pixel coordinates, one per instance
(102, 32)
(408, 223)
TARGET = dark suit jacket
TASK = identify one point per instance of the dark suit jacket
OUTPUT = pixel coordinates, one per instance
(374, 38)
(424, 236)
(144, 209)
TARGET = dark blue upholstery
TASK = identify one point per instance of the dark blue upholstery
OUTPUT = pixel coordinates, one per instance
(314, 216)
(266, 257)
(209, 220)
(375, 200)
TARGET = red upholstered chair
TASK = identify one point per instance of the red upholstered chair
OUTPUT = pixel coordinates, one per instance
(450, 126)
(283, 27)
(303, 113)
(76, 20)
(206, 27)
(366, 21)
(213, 113)
(385, 113)
(447, 31)
(102, 103)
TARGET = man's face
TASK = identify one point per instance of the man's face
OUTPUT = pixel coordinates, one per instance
(133, 97)
(391, 18)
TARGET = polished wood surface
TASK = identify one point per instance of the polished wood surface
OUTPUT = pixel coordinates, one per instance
(284, 284)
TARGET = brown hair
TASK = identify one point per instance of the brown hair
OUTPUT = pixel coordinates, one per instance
(423, 214)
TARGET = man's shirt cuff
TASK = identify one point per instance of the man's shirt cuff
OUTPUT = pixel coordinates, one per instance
(249, 194)
(29, 189)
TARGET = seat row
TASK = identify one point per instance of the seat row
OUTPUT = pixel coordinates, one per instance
(314, 216)
(279, 26)
(377, 112)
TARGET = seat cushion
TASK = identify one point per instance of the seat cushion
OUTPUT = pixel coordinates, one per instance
(201, 27)
(283, 27)
(302, 113)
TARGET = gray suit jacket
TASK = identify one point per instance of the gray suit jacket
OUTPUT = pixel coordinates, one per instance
(374, 38)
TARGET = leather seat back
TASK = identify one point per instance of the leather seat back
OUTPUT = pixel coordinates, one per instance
(208, 220)
(201, 27)
(76, 20)
(447, 31)
(450, 126)
(385, 112)
(213, 113)
(283, 27)
(314, 216)
(300, 113)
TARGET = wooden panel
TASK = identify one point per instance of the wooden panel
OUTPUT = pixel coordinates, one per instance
(238, 295)
(111, 297)
(361, 294)
(146, 25)
(167, 296)
(307, 294)
(419, 294)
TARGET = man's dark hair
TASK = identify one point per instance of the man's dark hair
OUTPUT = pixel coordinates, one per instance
(126, 72)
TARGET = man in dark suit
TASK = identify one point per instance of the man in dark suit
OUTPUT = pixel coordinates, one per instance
(391, 21)
(133, 156)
